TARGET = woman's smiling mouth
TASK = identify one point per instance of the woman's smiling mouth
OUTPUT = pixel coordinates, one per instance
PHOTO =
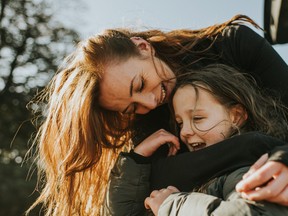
(163, 93)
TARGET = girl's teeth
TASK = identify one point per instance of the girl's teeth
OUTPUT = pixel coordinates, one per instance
(197, 146)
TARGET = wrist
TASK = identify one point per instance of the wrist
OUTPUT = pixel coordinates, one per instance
(139, 158)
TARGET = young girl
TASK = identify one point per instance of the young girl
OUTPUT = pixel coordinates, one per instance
(211, 105)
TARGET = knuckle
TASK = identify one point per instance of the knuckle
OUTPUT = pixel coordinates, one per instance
(154, 192)
(260, 175)
(270, 193)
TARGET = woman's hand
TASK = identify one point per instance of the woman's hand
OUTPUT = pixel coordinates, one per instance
(154, 141)
(157, 197)
(266, 180)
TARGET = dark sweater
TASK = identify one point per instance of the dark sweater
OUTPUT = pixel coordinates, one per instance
(239, 47)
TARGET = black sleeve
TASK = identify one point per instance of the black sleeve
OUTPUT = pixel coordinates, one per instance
(245, 49)
(279, 154)
(190, 169)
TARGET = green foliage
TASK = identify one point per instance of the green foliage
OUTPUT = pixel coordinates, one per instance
(31, 48)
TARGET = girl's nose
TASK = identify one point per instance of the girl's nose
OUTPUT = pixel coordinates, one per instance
(187, 130)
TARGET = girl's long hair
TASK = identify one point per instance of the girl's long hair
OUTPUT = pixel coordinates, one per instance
(78, 141)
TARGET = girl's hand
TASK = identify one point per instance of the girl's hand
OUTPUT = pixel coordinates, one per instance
(265, 181)
(157, 197)
(154, 141)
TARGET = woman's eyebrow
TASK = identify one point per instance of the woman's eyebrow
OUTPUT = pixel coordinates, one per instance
(131, 85)
(130, 92)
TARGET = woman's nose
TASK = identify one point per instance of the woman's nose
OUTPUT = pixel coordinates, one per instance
(146, 103)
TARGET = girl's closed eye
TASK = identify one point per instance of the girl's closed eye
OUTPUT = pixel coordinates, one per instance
(197, 118)
(179, 124)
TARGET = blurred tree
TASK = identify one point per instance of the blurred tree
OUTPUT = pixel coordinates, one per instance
(32, 44)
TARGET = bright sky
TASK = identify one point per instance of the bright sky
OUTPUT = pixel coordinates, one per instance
(96, 15)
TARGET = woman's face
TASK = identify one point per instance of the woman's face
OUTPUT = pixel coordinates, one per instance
(202, 119)
(138, 84)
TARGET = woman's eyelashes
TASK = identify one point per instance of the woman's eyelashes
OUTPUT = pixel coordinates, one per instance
(142, 85)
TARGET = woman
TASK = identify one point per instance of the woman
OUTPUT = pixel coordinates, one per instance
(95, 99)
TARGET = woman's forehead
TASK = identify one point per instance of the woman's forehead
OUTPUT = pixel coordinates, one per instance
(115, 85)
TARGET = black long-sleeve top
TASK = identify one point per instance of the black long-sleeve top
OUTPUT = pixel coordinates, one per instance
(240, 47)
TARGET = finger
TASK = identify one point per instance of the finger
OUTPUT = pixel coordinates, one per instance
(172, 140)
(166, 137)
(173, 189)
(259, 163)
(154, 193)
(172, 149)
(281, 198)
(259, 177)
(271, 190)
(147, 202)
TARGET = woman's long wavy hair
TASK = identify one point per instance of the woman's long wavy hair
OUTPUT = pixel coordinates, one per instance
(78, 141)
(231, 87)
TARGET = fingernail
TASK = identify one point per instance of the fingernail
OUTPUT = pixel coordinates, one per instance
(244, 195)
(239, 186)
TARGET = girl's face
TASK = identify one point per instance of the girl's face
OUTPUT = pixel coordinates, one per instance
(138, 84)
(202, 119)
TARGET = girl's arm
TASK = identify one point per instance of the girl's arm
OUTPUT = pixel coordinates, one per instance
(129, 179)
(128, 187)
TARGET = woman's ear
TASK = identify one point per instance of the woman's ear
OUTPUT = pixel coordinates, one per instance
(144, 46)
(238, 115)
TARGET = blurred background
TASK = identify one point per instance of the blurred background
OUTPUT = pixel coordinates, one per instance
(37, 34)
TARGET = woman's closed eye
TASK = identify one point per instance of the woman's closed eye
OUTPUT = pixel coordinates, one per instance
(142, 85)
(133, 106)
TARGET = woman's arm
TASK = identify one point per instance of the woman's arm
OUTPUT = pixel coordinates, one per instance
(259, 174)
(243, 48)
(222, 200)
(190, 169)
(247, 50)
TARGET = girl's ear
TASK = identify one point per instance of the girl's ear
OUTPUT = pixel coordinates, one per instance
(144, 46)
(238, 115)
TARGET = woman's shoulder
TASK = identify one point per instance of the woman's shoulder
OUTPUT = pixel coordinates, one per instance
(237, 30)
(241, 33)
